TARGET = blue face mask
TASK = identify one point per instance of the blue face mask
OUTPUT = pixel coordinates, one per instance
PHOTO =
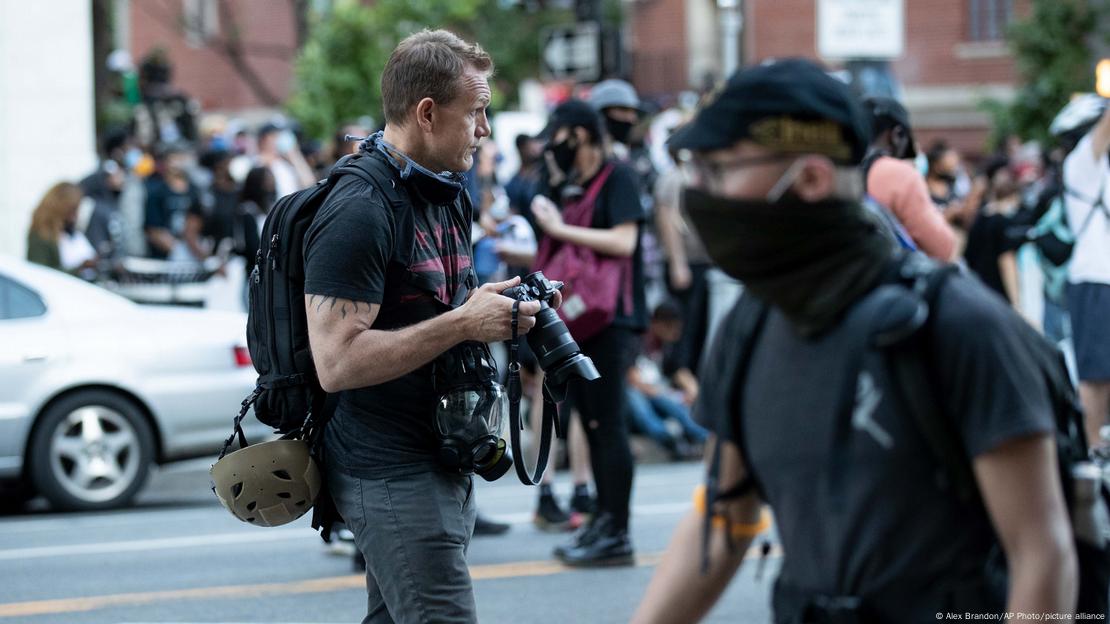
(132, 158)
(286, 142)
(435, 188)
(921, 161)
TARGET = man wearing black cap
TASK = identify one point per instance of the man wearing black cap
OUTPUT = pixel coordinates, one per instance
(897, 185)
(580, 173)
(807, 416)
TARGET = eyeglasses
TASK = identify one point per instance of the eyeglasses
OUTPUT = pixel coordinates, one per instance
(709, 175)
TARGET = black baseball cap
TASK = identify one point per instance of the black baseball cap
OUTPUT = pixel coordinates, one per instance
(790, 106)
(887, 112)
(572, 114)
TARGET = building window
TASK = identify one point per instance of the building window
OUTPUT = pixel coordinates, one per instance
(201, 21)
(988, 19)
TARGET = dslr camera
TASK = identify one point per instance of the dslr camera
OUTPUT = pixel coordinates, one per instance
(555, 349)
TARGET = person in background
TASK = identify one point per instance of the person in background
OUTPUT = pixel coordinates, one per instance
(174, 217)
(688, 267)
(652, 398)
(1087, 180)
(578, 169)
(278, 150)
(255, 200)
(997, 231)
(104, 187)
(619, 105)
(525, 183)
(944, 171)
(53, 239)
(221, 198)
(892, 180)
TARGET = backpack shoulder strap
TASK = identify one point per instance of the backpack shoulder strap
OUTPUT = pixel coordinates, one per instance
(914, 382)
(377, 173)
(744, 322)
(868, 162)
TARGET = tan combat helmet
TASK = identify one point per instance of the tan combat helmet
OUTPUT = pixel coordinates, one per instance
(267, 484)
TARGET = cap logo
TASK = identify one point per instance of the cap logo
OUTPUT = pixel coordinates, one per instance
(798, 136)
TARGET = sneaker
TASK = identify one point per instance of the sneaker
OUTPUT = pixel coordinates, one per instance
(582, 509)
(606, 547)
(483, 526)
(550, 517)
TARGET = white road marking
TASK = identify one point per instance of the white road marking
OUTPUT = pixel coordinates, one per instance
(255, 536)
(68, 550)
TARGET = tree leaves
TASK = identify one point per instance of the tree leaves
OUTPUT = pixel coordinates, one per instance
(338, 72)
(1053, 57)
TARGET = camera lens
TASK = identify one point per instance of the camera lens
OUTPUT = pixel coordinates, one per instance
(558, 353)
(550, 339)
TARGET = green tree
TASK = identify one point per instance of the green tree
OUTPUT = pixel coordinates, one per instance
(1052, 49)
(337, 77)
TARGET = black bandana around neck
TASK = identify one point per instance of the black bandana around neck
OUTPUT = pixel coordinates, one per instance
(812, 261)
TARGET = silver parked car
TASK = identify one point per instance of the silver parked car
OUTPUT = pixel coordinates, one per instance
(95, 389)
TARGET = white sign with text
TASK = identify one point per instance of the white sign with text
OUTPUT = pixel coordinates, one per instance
(861, 29)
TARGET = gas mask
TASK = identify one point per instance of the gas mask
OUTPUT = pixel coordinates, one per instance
(471, 412)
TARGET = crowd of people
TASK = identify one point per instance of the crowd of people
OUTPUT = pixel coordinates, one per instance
(591, 180)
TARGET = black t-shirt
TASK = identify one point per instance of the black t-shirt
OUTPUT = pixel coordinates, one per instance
(169, 209)
(991, 236)
(357, 249)
(619, 202)
(885, 530)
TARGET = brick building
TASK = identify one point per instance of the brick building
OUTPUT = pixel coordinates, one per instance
(195, 34)
(954, 55)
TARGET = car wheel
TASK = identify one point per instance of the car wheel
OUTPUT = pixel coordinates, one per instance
(91, 450)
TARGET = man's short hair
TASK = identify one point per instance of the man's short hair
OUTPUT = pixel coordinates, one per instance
(428, 64)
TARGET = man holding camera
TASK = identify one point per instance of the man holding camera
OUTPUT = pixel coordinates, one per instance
(390, 319)
(815, 425)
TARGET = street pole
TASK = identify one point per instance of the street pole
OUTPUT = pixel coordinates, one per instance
(732, 23)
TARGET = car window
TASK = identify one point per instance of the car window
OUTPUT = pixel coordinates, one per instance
(18, 301)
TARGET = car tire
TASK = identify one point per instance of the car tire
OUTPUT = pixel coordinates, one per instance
(91, 450)
(15, 496)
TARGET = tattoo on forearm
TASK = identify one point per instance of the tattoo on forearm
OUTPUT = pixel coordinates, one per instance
(320, 300)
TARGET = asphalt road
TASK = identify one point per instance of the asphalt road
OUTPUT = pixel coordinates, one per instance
(177, 556)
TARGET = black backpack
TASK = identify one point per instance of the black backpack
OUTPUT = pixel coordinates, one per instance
(288, 396)
(897, 327)
(1052, 234)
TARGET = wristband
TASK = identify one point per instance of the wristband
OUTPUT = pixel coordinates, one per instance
(737, 530)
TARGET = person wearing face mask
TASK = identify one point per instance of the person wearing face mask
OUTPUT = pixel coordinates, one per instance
(891, 179)
(581, 180)
(869, 534)
(278, 150)
(622, 110)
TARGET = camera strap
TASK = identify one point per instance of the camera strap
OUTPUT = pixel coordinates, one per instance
(550, 413)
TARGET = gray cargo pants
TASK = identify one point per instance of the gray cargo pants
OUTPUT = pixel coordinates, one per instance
(414, 531)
